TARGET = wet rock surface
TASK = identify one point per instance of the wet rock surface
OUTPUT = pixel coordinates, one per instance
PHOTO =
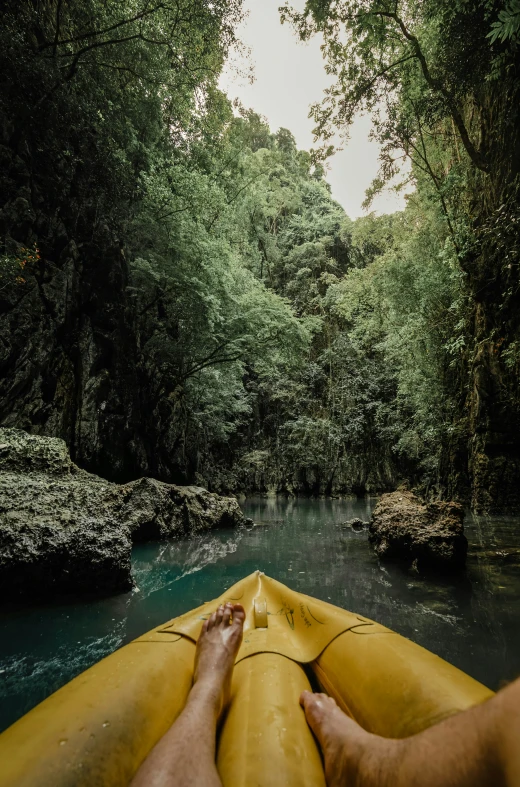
(65, 530)
(357, 525)
(427, 535)
(155, 510)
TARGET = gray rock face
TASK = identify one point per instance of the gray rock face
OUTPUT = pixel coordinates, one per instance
(405, 528)
(154, 510)
(65, 530)
(265, 471)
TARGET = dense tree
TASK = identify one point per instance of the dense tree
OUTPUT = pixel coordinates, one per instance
(181, 295)
(441, 82)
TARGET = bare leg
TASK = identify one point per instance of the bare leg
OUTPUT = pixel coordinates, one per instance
(185, 755)
(476, 748)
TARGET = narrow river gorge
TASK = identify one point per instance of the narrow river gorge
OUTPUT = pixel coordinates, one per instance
(471, 620)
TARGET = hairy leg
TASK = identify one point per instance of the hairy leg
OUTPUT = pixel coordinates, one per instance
(185, 755)
(476, 748)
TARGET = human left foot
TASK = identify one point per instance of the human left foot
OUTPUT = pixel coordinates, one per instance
(217, 647)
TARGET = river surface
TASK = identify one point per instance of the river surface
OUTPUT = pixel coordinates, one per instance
(472, 621)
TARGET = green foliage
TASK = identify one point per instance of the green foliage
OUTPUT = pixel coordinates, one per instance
(409, 63)
(507, 27)
(99, 88)
(427, 73)
(397, 312)
(208, 319)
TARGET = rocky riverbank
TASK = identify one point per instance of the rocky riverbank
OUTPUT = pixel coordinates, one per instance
(63, 530)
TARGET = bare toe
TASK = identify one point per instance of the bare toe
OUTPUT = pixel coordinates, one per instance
(239, 616)
(217, 647)
(342, 740)
(318, 708)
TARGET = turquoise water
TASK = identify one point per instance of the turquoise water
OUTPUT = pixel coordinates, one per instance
(473, 621)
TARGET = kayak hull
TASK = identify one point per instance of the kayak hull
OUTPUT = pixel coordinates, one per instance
(99, 727)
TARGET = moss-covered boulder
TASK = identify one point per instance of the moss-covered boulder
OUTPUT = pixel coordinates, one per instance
(155, 510)
(404, 527)
(65, 530)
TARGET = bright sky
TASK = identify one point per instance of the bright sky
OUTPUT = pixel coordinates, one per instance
(289, 77)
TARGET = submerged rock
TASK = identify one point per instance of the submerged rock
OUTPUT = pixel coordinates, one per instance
(428, 535)
(357, 525)
(65, 530)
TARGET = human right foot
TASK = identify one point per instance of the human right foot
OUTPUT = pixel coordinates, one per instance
(217, 647)
(351, 755)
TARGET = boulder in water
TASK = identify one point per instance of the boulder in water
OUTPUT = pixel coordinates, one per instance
(431, 535)
(155, 510)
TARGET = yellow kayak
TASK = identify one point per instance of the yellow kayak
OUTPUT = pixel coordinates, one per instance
(96, 730)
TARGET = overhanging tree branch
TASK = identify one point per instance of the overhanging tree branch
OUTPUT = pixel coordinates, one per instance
(95, 33)
(213, 362)
(58, 26)
(384, 71)
(478, 159)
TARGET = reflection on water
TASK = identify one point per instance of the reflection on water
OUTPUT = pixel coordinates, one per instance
(473, 620)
